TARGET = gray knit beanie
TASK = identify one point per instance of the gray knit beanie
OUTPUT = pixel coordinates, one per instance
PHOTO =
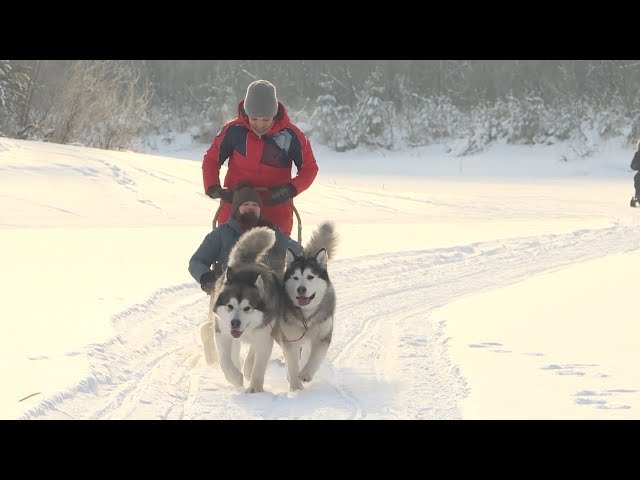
(261, 100)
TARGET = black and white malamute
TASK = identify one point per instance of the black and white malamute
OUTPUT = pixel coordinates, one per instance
(308, 306)
(246, 303)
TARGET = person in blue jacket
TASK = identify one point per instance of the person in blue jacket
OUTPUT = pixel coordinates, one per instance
(215, 248)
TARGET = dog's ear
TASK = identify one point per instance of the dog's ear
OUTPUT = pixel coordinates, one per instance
(322, 258)
(259, 283)
(289, 258)
(228, 275)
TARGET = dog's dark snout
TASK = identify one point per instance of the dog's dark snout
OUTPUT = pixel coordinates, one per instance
(301, 290)
(235, 323)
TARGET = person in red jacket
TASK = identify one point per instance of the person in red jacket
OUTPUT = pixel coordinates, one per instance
(261, 145)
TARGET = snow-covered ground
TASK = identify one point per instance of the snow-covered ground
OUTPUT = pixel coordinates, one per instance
(499, 285)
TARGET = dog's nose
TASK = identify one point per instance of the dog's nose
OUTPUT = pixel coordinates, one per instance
(301, 290)
(235, 323)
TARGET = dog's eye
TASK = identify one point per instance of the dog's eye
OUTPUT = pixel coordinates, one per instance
(246, 309)
(229, 307)
(295, 278)
(310, 277)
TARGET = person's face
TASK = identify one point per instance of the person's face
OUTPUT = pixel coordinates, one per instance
(261, 124)
(247, 207)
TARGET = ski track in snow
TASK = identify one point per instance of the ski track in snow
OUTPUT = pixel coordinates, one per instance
(387, 360)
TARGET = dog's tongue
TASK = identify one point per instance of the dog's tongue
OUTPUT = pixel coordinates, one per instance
(236, 333)
(302, 301)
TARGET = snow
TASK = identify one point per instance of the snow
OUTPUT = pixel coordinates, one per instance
(493, 286)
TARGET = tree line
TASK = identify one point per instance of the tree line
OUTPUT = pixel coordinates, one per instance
(343, 104)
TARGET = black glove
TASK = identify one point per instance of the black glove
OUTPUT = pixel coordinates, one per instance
(216, 191)
(206, 282)
(280, 193)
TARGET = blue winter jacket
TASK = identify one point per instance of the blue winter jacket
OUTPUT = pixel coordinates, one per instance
(216, 246)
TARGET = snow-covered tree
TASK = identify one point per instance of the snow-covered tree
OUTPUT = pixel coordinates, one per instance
(430, 120)
(525, 121)
(13, 91)
(219, 104)
(100, 104)
(330, 121)
(370, 123)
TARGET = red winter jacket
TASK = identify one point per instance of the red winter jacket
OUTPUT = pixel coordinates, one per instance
(263, 161)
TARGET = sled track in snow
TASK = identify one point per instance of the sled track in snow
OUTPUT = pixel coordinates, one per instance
(386, 352)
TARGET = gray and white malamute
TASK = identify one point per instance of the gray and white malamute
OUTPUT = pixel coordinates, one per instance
(309, 305)
(247, 301)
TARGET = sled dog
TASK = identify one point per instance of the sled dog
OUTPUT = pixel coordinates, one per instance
(246, 303)
(308, 306)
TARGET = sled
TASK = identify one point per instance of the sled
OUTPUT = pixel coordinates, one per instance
(214, 223)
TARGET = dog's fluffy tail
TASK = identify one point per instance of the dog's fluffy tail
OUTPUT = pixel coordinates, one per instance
(252, 246)
(325, 237)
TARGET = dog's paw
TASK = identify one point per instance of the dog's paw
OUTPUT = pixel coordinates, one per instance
(254, 390)
(306, 377)
(235, 378)
(296, 386)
